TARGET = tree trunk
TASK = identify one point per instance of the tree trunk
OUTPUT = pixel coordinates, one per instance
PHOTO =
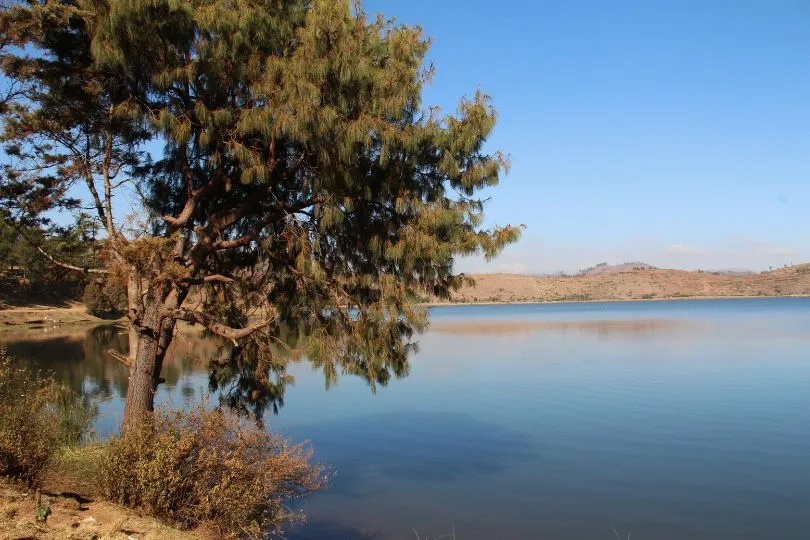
(152, 335)
(143, 375)
(133, 312)
(133, 344)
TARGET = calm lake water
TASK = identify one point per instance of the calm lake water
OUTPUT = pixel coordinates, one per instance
(661, 420)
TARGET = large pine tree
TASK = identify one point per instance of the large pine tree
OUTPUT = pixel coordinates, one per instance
(304, 196)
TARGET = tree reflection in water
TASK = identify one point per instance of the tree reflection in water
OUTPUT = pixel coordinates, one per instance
(251, 378)
(79, 359)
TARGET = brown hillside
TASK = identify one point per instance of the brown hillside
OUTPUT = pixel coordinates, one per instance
(635, 284)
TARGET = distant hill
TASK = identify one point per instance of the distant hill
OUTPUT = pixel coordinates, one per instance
(635, 281)
(605, 268)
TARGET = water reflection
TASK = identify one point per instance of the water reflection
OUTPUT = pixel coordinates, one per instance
(600, 327)
(327, 530)
(79, 358)
(420, 446)
(76, 358)
(665, 420)
(194, 365)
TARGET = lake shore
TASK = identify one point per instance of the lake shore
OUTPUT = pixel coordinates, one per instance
(50, 317)
(38, 317)
(609, 300)
(626, 376)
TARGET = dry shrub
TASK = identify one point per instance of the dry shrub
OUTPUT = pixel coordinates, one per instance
(207, 467)
(39, 417)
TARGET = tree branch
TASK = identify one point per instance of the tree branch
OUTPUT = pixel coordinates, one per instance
(53, 259)
(214, 278)
(182, 219)
(254, 232)
(108, 186)
(120, 357)
(222, 330)
(240, 241)
(91, 187)
(71, 266)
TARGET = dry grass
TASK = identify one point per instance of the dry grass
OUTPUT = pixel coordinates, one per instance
(39, 417)
(189, 474)
(636, 285)
(197, 469)
(76, 469)
(207, 467)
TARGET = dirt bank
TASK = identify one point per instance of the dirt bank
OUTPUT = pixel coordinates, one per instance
(74, 517)
(38, 316)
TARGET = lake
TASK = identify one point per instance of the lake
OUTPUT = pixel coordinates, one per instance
(659, 420)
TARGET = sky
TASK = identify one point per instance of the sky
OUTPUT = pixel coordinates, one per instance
(670, 132)
(673, 132)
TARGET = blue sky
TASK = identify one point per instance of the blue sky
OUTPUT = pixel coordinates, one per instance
(672, 132)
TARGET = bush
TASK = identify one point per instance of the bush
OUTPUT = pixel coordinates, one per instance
(106, 300)
(206, 467)
(39, 417)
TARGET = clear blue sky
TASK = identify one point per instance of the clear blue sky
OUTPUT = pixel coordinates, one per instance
(672, 132)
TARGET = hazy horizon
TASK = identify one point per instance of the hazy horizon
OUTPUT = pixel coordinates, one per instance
(740, 256)
(503, 267)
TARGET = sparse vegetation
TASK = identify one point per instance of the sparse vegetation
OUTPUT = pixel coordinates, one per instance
(39, 418)
(207, 467)
(185, 467)
(579, 297)
(634, 283)
(74, 517)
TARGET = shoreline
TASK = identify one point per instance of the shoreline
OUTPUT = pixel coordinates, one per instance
(39, 317)
(52, 318)
(610, 300)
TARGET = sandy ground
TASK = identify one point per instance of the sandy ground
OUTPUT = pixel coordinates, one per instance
(46, 317)
(74, 517)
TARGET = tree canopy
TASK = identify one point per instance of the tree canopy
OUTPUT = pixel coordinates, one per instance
(304, 197)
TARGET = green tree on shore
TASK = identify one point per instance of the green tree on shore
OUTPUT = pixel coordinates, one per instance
(304, 196)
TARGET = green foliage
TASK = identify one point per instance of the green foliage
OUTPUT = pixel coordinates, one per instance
(39, 417)
(302, 180)
(43, 511)
(105, 299)
(26, 275)
(207, 467)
